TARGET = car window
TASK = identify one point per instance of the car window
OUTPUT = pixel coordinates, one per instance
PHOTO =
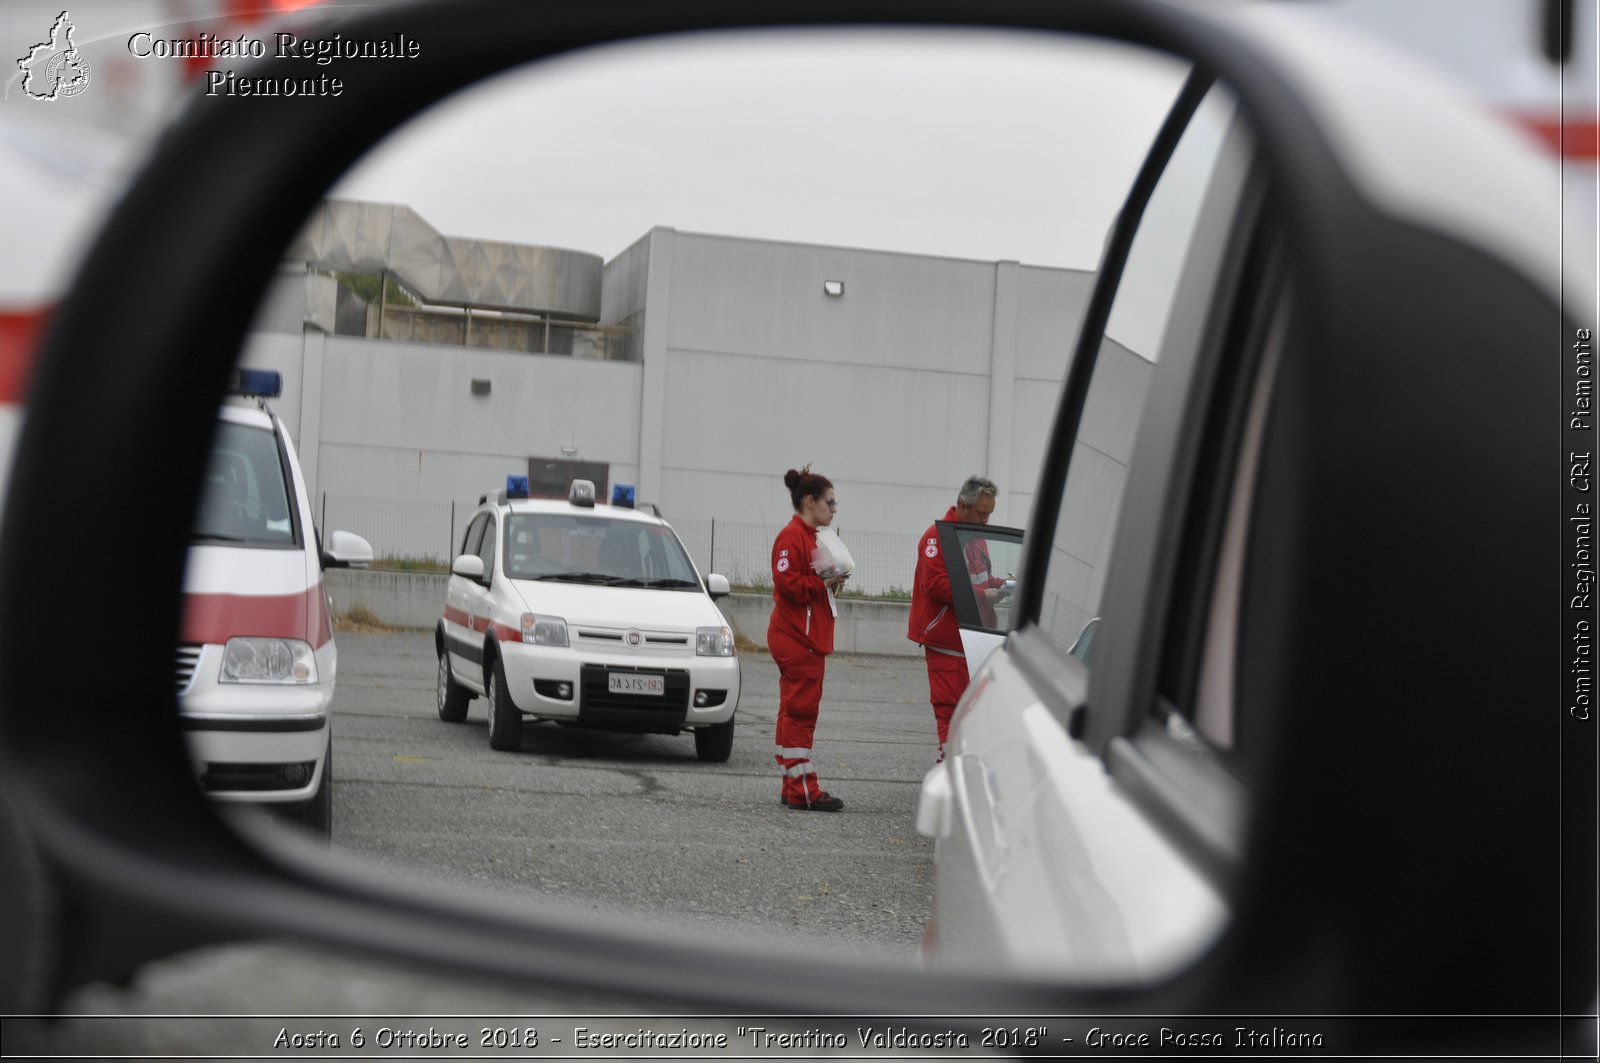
(1135, 338)
(546, 545)
(486, 546)
(245, 498)
(981, 562)
(474, 535)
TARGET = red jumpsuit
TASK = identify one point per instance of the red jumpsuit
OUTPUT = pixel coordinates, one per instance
(800, 637)
(933, 622)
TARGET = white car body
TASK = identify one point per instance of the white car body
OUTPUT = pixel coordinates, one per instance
(262, 739)
(648, 633)
(1044, 862)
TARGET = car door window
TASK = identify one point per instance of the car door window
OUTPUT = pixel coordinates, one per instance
(1137, 337)
(486, 549)
(474, 535)
(981, 562)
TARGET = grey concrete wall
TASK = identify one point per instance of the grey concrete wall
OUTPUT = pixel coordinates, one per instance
(924, 371)
(400, 420)
(416, 600)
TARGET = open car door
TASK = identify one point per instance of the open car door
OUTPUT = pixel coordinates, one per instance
(981, 561)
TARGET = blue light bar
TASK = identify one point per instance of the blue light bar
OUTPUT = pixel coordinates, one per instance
(622, 495)
(256, 383)
(516, 487)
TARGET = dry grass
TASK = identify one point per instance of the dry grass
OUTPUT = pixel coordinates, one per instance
(360, 619)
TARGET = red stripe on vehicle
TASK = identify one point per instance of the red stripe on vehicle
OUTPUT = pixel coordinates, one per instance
(1577, 138)
(20, 333)
(507, 634)
(216, 618)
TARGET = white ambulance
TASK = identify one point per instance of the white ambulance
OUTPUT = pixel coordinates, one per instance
(256, 658)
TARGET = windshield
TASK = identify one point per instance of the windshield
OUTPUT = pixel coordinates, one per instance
(245, 498)
(554, 546)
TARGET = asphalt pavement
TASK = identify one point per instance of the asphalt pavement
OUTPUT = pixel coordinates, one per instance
(636, 824)
(633, 825)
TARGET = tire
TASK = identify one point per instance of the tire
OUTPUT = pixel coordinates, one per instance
(316, 813)
(452, 698)
(714, 744)
(505, 722)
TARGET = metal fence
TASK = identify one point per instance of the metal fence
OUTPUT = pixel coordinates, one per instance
(429, 533)
(885, 561)
(399, 529)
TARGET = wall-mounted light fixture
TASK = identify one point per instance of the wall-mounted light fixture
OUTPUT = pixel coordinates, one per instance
(480, 386)
(833, 287)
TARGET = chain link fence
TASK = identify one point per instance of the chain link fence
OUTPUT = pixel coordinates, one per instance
(425, 535)
(885, 561)
(406, 533)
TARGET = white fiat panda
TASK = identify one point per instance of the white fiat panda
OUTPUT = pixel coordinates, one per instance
(256, 659)
(587, 615)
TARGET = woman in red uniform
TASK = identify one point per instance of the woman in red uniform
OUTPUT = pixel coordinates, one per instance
(800, 636)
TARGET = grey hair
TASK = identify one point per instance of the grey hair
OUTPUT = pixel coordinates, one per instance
(975, 486)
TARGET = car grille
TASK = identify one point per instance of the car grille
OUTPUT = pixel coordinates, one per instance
(654, 641)
(592, 680)
(188, 661)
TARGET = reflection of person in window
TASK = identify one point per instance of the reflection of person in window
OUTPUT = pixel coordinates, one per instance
(933, 618)
(800, 636)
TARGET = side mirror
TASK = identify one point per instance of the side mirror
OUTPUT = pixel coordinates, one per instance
(347, 550)
(468, 565)
(717, 586)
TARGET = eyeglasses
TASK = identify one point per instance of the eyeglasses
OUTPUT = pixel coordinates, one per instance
(831, 503)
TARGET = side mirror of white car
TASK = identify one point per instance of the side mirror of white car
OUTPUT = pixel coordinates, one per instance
(717, 586)
(347, 550)
(468, 565)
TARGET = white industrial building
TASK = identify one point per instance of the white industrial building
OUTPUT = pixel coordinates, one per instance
(696, 367)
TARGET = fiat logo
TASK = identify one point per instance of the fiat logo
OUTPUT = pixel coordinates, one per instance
(634, 638)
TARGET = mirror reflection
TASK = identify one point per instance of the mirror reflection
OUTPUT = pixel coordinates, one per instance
(484, 579)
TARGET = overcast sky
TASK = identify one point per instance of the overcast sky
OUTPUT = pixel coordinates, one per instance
(969, 145)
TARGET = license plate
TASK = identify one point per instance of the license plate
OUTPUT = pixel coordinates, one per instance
(634, 683)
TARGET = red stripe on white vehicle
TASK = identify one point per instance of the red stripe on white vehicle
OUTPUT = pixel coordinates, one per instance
(20, 333)
(481, 624)
(216, 618)
(1571, 139)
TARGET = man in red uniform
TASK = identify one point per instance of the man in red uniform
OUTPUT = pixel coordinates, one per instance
(800, 636)
(933, 617)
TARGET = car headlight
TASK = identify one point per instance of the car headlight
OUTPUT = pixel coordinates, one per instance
(544, 630)
(259, 660)
(713, 642)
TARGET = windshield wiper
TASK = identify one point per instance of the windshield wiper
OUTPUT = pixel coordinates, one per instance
(665, 581)
(579, 577)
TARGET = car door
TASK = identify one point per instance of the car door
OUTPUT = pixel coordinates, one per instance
(461, 602)
(1049, 852)
(981, 561)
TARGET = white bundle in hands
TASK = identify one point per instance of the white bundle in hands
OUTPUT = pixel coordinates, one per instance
(831, 558)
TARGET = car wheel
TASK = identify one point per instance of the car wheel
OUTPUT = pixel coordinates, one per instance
(505, 722)
(452, 698)
(714, 743)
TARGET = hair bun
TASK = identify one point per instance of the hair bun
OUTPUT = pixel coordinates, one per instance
(791, 479)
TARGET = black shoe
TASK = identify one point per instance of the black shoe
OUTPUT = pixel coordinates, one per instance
(821, 803)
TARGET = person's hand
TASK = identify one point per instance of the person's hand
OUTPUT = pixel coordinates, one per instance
(835, 582)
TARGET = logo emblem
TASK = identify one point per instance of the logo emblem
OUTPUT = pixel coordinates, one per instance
(633, 638)
(932, 549)
(55, 69)
(783, 564)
